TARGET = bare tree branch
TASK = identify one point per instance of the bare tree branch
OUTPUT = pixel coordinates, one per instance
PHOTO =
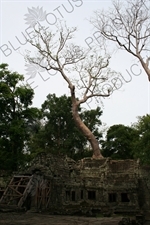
(127, 24)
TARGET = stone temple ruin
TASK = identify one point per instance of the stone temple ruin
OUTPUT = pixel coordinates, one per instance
(61, 185)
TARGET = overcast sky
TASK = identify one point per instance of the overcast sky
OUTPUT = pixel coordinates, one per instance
(130, 101)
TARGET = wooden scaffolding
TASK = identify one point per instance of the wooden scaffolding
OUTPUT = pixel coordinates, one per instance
(19, 190)
(42, 197)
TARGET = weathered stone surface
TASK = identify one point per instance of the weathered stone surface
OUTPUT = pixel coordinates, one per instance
(90, 186)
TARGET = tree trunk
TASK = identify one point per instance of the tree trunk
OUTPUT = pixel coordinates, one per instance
(145, 66)
(85, 130)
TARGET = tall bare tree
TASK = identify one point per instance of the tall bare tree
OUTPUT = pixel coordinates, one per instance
(127, 23)
(85, 72)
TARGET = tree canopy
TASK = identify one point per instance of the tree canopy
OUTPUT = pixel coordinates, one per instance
(58, 132)
(119, 142)
(16, 117)
(142, 144)
(127, 142)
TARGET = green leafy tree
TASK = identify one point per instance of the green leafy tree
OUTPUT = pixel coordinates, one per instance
(59, 133)
(142, 144)
(16, 118)
(119, 143)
